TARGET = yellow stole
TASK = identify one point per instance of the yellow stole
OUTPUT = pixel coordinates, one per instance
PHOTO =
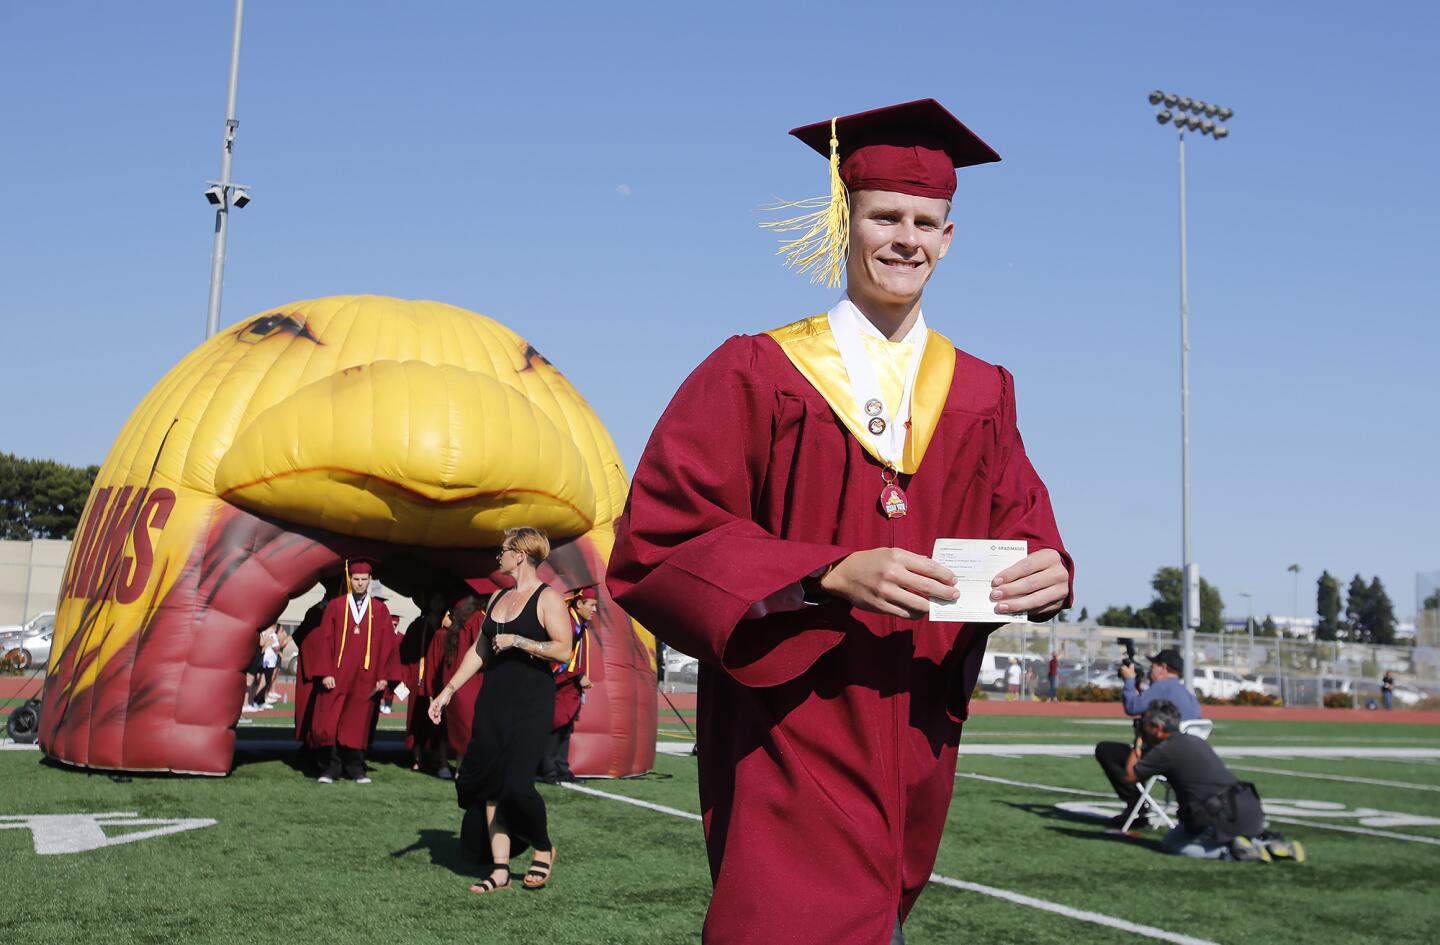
(811, 347)
(345, 631)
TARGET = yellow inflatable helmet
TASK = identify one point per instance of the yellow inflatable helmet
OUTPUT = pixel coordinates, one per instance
(409, 433)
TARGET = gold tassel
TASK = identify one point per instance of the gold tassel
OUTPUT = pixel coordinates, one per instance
(344, 616)
(822, 249)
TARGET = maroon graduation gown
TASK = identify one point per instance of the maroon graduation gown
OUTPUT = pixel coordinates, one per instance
(827, 735)
(455, 722)
(346, 714)
(568, 694)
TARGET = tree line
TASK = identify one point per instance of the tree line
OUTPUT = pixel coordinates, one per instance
(1368, 615)
(40, 498)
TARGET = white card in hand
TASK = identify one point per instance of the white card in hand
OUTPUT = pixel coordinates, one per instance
(402, 692)
(975, 562)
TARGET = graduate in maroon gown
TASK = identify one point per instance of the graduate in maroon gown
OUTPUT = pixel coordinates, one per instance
(572, 678)
(780, 526)
(353, 656)
(430, 652)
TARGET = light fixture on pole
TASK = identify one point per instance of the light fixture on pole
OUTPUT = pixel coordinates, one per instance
(223, 193)
(1174, 109)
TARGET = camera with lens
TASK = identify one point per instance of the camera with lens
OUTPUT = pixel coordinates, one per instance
(1129, 645)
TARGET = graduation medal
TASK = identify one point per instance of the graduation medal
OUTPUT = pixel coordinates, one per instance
(892, 498)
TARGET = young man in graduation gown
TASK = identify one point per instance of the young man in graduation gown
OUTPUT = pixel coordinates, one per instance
(572, 678)
(779, 526)
(350, 658)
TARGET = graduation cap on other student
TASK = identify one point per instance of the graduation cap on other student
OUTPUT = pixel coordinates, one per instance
(911, 148)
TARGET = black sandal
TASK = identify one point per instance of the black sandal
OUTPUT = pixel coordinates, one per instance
(538, 875)
(488, 884)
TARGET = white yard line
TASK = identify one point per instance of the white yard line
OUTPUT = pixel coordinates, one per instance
(1030, 784)
(1081, 915)
(1055, 788)
(1380, 782)
(1367, 831)
(672, 811)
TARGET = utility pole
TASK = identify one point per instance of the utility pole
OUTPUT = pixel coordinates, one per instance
(223, 193)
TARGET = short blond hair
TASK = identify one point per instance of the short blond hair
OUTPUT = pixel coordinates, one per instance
(531, 542)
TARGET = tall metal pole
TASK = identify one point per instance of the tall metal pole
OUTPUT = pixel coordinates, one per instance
(222, 211)
(1189, 578)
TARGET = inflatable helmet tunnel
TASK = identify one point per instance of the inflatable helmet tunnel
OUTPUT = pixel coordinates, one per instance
(410, 433)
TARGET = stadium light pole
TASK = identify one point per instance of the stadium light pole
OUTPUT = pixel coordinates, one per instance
(1206, 118)
(223, 193)
(1249, 624)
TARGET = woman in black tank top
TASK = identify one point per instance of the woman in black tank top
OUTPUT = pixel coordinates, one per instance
(526, 631)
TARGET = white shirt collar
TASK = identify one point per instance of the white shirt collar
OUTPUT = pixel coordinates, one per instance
(867, 327)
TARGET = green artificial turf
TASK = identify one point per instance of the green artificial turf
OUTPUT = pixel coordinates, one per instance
(292, 860)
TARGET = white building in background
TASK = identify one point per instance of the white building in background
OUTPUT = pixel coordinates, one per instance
(30, 574)
(1301, 628)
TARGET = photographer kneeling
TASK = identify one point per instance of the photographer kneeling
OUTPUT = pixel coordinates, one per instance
(1220, 816)
(1166, 672)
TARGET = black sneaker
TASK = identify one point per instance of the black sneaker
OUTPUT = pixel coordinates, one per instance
(1142, 822)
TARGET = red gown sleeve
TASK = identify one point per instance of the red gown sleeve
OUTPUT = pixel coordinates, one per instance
(1020, 506)
(317, 652)
(390, 669)
(689, 560)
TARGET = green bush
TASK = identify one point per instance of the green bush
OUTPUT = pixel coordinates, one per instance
(1339, 700)
(1089, 693)
(1251, 697)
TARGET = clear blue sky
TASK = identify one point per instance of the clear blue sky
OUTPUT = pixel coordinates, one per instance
(589, 174)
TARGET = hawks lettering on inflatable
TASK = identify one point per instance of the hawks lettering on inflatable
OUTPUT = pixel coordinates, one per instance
(409, 433)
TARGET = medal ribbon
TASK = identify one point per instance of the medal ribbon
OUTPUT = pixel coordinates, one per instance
(845, 325)
(355, 611)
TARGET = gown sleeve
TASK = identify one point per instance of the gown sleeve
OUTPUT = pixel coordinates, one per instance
(689, 560)
(390, 668)
(1020, 503)
(317, 651)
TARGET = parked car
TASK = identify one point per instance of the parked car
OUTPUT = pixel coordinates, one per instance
(992, 670)
(1214, 683)
(1408, 695)
(1263, 683)
(32, 640)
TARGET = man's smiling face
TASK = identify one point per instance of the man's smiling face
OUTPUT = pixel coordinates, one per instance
(895, 242)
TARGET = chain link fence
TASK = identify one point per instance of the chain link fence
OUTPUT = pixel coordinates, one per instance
(1295, 672)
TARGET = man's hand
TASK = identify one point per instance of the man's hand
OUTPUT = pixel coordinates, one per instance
(890, 581)
(328, 682)
(1037, 585)
(1127, 672)
(380, 686)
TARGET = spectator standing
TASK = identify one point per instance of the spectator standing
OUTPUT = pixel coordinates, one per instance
(526, 630)
(269, 664)
(1053, 674)
(1387, 689)
(1012, 680)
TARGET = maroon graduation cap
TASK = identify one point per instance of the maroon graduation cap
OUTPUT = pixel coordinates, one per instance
(912, 148)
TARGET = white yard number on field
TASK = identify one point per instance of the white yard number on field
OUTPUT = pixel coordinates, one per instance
(76, 833)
